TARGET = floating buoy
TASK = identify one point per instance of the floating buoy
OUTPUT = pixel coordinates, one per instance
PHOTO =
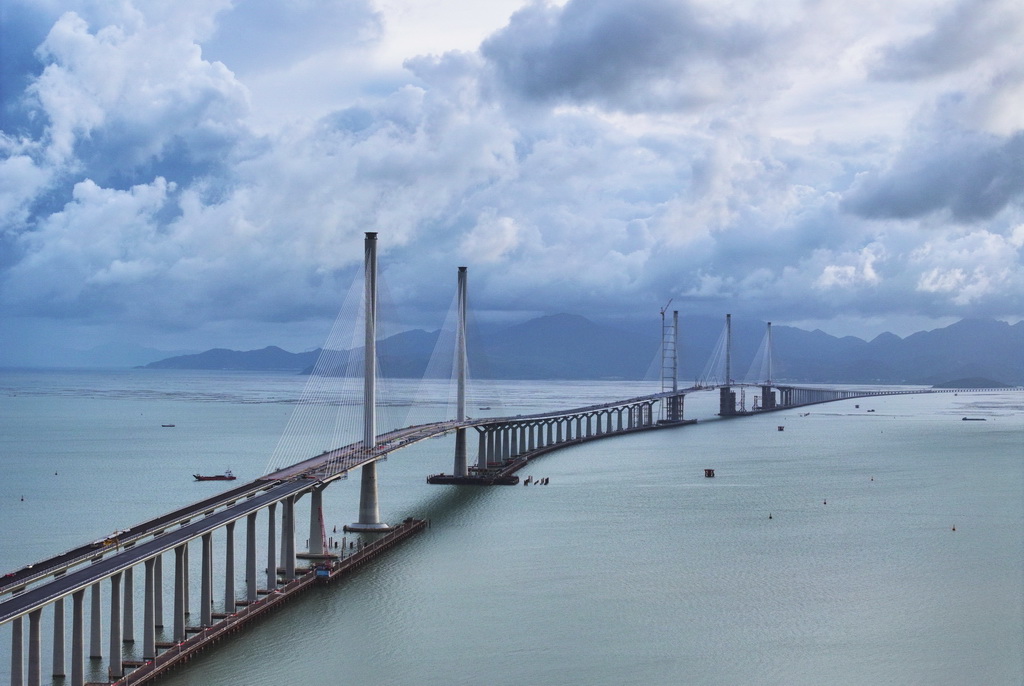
(824, 502)
(954, 527)
(769, 515)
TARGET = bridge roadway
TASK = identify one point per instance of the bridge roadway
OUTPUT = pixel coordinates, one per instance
(67, 583)
(131, 547)
(237, 503)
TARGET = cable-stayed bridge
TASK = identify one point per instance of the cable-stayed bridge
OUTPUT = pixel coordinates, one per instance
(488, 451)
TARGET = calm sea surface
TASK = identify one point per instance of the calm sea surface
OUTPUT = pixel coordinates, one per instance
(629, 568)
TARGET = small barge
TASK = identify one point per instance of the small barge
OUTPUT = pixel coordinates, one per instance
(226, 476)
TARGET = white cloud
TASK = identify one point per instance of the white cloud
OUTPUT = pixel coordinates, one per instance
(590, 157)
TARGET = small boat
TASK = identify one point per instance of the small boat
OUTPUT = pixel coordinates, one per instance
(485, 407)
(973, 419)
(226, 476)
(167, 426)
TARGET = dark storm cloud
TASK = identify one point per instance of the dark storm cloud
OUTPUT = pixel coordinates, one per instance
(971, 174)
(969, 30)
(625, 55)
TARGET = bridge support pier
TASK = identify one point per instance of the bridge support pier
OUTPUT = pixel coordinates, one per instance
(115, 669)
(271, 547)
(229, 569)
(369, 508)
(481, 455)
(17, 653)
(461, 468)
(128, 621)
(206, 583)
(149, 612)
(58, 638)
(316, 521)
(78, 638)
(95, 623)
(250, 558)
(288, 538)
(179, 593)
(158, 591)
(34, 649)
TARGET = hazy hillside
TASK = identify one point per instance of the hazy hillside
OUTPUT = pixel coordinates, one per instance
(571, 347)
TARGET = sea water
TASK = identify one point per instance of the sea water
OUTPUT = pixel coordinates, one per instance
(872, 541)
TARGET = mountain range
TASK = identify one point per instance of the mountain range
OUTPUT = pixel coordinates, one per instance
(568, 346)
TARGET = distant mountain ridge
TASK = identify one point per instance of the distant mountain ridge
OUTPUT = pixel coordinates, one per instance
(567, 346)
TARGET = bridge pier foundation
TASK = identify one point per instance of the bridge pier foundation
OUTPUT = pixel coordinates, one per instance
(369, 509)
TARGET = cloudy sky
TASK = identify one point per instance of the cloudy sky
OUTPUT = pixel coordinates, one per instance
(200, 173)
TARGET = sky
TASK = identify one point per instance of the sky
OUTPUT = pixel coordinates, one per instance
(200, 173)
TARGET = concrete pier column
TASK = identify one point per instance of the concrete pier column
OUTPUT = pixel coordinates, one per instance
(78, 638)
(185, 571)
(558, 430)
(316, 521)
(250, 558)
(229, 568)
(95, 623)
(481, 454)
(549, 429)
(34, 649)
(206, 583)
(128, 621)
(58, 638)
(492, 445)
(115, 669)
(179, 593)
(158, 591)
(461, 368)
(513, 441)
(17, 653)
(149, 612)
(461, 467)
(286, 514)
(506, 442)
(271, 547)
(288, 538)
(369, 507)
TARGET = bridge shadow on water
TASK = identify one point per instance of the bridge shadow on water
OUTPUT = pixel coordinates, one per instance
(453, 503)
